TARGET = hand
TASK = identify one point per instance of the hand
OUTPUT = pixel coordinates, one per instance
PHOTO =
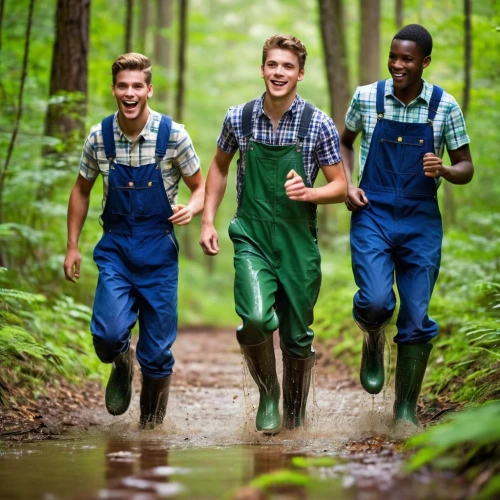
(295, 188)
(433, 165)
(182, 215)
(209, 240)
(72, 265)
(356, 199)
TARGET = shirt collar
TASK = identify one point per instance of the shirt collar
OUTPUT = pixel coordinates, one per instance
(294, 108)
(425, 95)
(144, 134)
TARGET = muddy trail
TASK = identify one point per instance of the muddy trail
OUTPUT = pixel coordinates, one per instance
(208, 447)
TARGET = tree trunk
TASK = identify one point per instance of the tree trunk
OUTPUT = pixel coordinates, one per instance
(450, 209)
(399, 14)
(162, 44)
(1, 21)
(128, 26)
(334, 48)
(68, 79)
(24, 73)
(369, 53)
(179, 102)
(144, 23)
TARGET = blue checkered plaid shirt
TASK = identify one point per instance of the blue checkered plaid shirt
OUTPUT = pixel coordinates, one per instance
(448, 124)
(321, 146)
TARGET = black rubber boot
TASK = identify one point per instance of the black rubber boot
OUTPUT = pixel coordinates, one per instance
(154, 399)
(296, 382)
(372, 374)
(119, 388)
(410, 370)
(262, 367)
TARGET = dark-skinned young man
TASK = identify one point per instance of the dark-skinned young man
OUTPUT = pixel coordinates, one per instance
(396, 229)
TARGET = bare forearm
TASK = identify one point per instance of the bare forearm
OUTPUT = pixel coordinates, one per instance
(78, 208)
(214, 193)
(333, 192)
(461, 173)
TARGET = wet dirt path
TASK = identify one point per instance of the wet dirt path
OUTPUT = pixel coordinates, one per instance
(208, 446)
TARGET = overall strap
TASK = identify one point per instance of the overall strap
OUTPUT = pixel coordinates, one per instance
(437, 93)
(380, 97)
(246, 118)
(305, 120)
(108, 137)
(163, 136)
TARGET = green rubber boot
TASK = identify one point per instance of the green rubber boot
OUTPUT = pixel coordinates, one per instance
(119, 388)
(372, 360)
(153, 401)
(296, 382)
(262, 367)
(410, 370)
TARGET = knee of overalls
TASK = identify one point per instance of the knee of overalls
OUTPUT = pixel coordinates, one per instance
(373, 308)
(297, 348)
(256, 328)
(108, 347)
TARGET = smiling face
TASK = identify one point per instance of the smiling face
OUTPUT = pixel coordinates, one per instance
(281, 73)
(131, 92)
(406, 65)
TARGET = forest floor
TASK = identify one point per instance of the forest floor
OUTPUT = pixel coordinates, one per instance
(205, 358)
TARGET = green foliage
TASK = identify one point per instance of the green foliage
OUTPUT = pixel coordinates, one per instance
(279, 478)
(468, 440)
(41, 338)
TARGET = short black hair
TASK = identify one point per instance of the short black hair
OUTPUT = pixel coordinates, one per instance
(417, 34)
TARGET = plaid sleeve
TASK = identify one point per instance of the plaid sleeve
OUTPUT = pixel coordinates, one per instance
(328, 146)
(353, 117)
(455, 132)
(227, 141)
(89, 166)
(185, 158)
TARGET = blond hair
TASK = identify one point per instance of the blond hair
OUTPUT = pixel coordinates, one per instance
(285, 42)
(132, 61)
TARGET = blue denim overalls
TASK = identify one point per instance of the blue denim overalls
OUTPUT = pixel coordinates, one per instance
(399, 232)
(137, 258)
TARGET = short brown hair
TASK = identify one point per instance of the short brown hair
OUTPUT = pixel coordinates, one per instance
(132, 61)
(285, 42)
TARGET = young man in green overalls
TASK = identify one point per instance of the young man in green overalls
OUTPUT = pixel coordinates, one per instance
(283, 141)
(396, 229)
(142, 157)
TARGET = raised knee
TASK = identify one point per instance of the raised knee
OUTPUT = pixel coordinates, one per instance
(257, 328)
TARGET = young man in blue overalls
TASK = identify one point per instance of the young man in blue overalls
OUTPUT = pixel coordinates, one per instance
(142, 156)
(396, 228)
(283, 141)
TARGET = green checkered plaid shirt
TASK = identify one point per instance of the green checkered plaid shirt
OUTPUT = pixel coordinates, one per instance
(181, 158)
(448, 125)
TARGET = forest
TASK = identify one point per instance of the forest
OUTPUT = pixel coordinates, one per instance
(55, 78)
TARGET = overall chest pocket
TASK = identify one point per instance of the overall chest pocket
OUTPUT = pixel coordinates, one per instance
(141, 198)
(401, 154)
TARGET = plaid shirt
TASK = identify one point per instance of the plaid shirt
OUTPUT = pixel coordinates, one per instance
(448, 125)
(321, 146)
(181, 158)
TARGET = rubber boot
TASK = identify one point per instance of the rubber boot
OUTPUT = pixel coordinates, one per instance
(296, 382)
(410, 370)
(262, 367)
(119, 388)
(153, 401)
(372, 359)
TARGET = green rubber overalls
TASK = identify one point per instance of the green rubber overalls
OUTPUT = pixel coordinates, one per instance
(277, 275)
(277, 261)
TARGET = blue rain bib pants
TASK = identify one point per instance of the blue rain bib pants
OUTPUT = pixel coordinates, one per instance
(399, 233)
(137, 258)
